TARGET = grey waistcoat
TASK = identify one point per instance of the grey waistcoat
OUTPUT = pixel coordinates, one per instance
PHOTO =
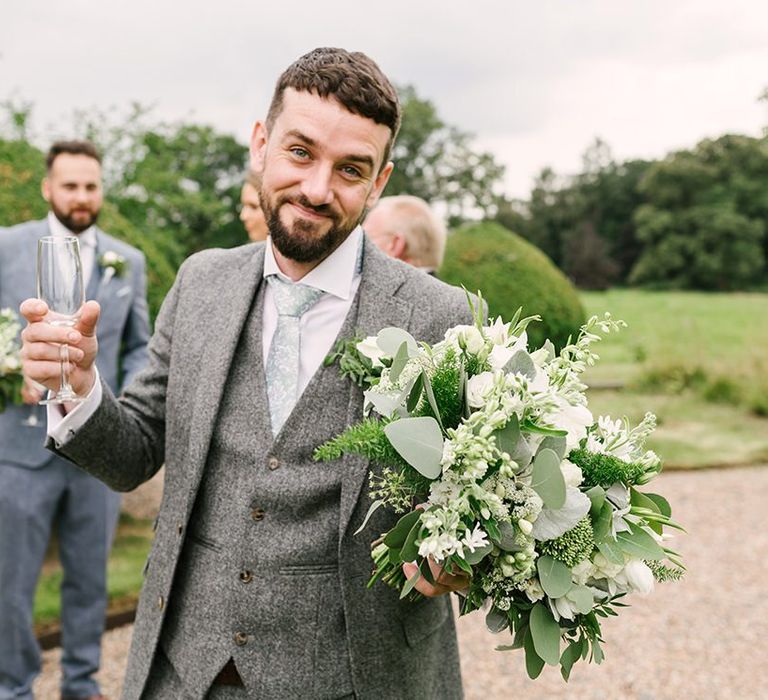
(259, 580)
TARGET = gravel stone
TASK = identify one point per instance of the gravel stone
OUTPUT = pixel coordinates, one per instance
(701, 638)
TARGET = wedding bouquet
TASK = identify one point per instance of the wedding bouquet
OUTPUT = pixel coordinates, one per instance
(491, 454)
(11, 379)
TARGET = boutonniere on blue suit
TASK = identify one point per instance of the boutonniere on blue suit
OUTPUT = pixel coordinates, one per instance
(113, 264)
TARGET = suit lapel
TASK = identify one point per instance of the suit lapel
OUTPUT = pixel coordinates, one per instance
(378, 308)
(222, 333)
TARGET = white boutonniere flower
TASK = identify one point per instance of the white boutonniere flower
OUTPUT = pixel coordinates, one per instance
(113, 264)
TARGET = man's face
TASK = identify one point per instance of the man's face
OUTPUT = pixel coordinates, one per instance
(321, 168)
(251, 213)
(72, 189)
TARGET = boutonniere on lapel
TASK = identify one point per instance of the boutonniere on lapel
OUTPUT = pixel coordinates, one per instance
(113, 264)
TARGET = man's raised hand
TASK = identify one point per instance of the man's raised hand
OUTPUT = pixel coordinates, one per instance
(41, 347)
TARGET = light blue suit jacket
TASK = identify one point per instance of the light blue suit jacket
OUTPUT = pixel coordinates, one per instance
(123, 325)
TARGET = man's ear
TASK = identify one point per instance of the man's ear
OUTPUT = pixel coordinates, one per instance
(379, 184)
(398, 247)
(258, 146)
(45, 189)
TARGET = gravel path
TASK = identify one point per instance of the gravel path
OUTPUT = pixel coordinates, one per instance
(702, 638)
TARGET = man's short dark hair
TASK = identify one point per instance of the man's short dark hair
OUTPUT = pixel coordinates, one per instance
(75, 148)
(351, 78)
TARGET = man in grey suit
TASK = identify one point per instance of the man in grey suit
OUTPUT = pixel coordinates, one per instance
(255, 585)
(37, 488)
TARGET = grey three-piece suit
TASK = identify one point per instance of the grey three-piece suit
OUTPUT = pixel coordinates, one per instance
(254, 557)
(36, 486)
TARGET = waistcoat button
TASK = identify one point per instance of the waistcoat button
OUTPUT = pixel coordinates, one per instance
(273, 463)
(241, 639)
(246, 576)
(160, 603)
(257, 515)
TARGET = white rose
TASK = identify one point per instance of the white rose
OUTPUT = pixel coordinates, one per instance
(371, 350)
(478, 388)
(472, 339)
(574, 420)
(533, 590)
(638, 576)
(10, 365)
(571, 473)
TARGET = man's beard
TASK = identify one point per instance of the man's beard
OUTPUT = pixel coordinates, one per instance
(299, 243)
(70, 223)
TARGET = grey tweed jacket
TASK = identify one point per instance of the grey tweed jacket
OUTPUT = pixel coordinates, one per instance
(167, 415)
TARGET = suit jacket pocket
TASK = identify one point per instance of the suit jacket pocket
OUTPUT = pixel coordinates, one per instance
(423, 618)
(204, 542)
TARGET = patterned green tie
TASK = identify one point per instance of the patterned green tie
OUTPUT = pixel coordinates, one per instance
(291, 301)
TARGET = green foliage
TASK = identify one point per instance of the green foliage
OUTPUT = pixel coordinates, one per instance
(436, 161)
(663, 573)
(605, 470)
(366, 439)
(573, 546)
(445, 386)
(511, 273)
(352, 363)
(22, 168)
(704, 224)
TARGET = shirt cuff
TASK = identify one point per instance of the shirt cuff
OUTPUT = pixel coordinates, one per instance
(62, 428)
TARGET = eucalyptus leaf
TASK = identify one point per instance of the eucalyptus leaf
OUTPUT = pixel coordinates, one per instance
(610, 549)
(374, 507)
(661, 503)
(383, 404)
(555, 577)
(552, 523)
(545, 632)
(474, 558)
(636, 498)
(547, 479)
(521, 363)
(597, 652)
(419, 441)
(601, 525)
(638, 543)
(582, 599)
(569, 657)
(597, 497)
(533, 662)
(399, 362)
(506, 540)
(508, 437)
(496, 620)
(390, 339)
(395, 538)
(556, 444)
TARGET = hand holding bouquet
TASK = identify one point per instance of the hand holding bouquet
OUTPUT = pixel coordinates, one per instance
(489, 451)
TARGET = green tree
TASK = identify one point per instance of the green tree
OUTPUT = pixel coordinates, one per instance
(436, 161)
(704, 224)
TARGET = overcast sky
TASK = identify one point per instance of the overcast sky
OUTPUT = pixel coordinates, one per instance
(536, 82)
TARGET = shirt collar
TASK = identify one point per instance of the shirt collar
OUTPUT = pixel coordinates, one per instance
(334, 275)
(86, 238)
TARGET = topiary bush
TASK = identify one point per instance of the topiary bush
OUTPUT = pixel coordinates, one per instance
(510, 273)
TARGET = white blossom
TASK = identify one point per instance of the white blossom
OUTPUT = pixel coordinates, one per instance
(370, 349)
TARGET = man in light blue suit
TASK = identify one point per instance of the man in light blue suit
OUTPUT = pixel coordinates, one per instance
(37, 489)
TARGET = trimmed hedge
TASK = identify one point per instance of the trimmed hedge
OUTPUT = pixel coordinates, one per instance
(510, 273)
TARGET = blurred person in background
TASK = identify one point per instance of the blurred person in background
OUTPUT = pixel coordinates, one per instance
(38, 490)
(251, 213)
(405, 228)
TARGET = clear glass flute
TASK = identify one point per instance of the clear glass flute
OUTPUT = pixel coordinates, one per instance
(60, 286)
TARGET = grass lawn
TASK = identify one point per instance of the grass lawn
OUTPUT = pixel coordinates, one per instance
(720, 337)
(124, 577)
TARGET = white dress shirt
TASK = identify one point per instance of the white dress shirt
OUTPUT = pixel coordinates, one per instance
(338, 276)
(87, 240)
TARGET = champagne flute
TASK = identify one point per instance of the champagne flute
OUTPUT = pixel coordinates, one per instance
(60, 286)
